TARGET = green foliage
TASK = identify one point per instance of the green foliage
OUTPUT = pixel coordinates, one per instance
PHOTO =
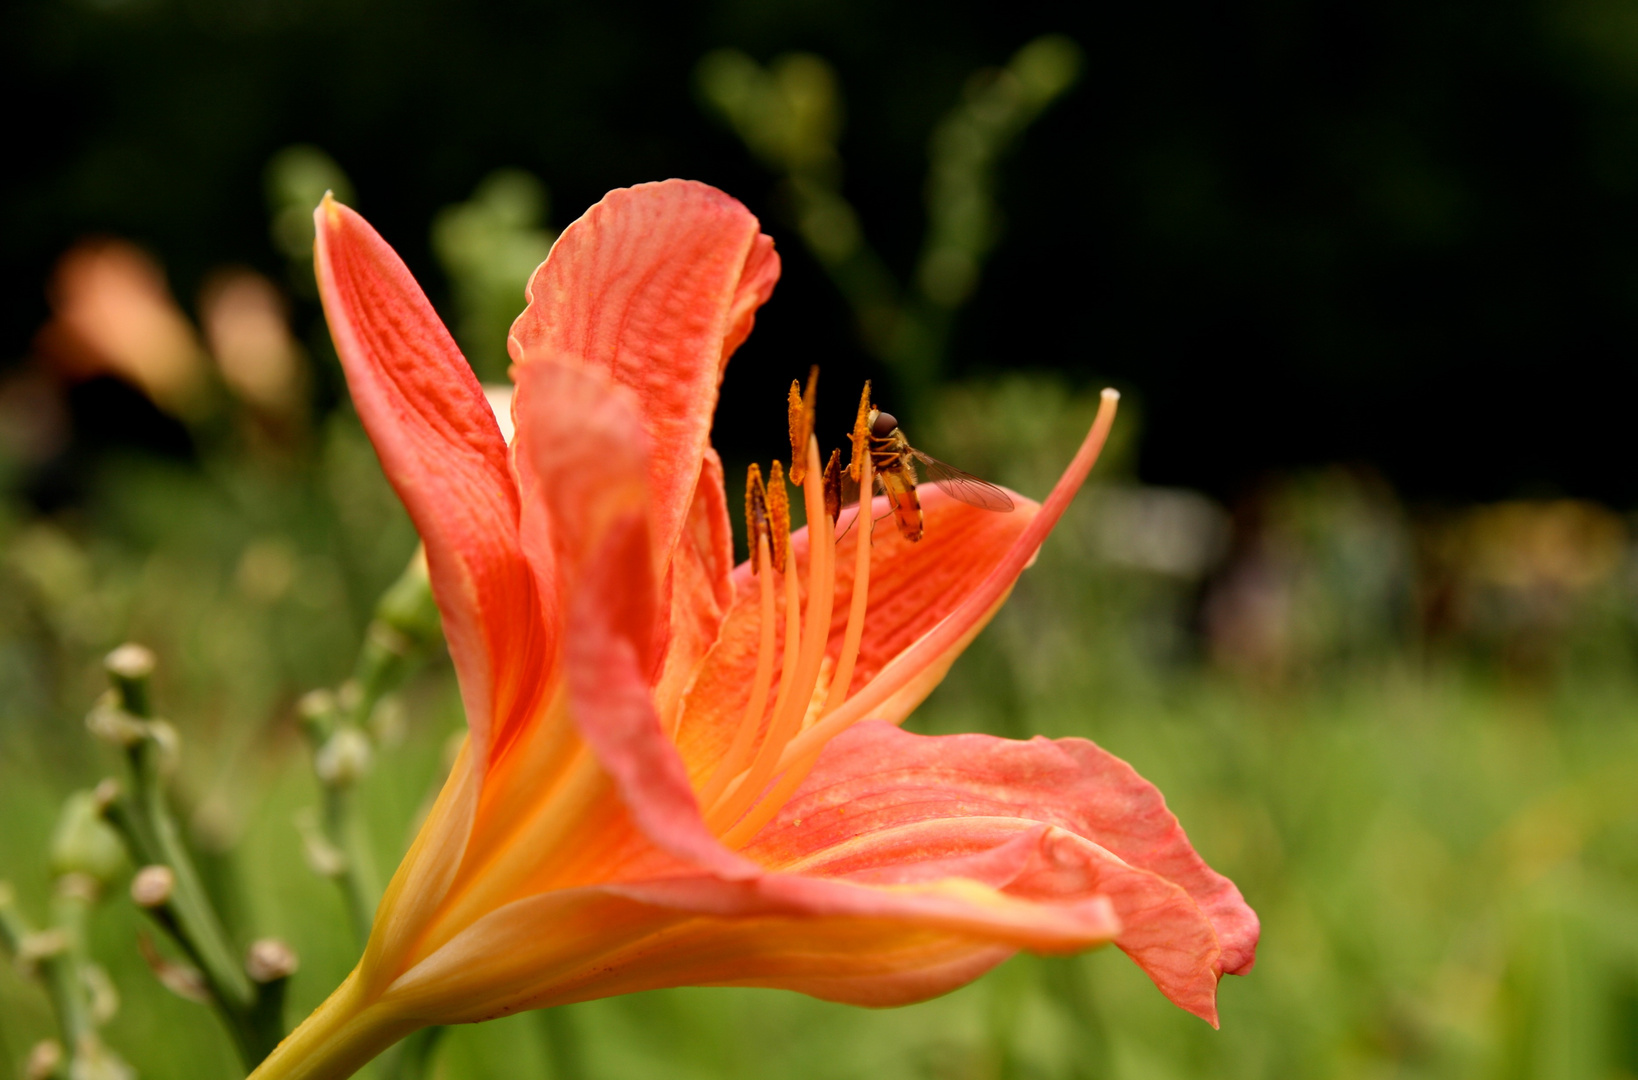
(789, 115)
(488, 247)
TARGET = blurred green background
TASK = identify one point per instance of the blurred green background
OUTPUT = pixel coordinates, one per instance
(1355, 584)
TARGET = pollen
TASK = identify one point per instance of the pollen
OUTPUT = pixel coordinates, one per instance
(779, 515)
(756, 510)
(860, 437)
(800, 407)
(833, 486)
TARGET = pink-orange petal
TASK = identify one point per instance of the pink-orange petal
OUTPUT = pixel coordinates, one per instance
(581, 457)
(655, 285)
(875, 788)
(699, 588)
(444, 455)
(865, 944)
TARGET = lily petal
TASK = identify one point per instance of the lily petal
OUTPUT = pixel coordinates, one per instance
(873, 800)
(868, 944)
(443, 453)
(656, 285)
(699, 587)
(582, 457)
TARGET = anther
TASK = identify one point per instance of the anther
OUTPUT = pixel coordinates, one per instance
(860, 437)
(800, 407)
(833, 486)
(756, 510)
(779, 515)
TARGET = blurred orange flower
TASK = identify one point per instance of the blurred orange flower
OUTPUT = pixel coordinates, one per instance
(248, 329)
(114, 315)
(641, 803)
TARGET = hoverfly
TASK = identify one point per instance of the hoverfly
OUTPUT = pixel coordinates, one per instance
(895, 462)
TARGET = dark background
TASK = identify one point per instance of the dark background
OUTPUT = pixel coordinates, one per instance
(1397, 234)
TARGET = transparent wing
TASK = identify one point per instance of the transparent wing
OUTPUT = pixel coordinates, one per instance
(963, 486)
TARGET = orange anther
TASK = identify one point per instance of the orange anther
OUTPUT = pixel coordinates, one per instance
(861, 435)
(779, 515)
(756, 508)
(800, 408)
(833, 486)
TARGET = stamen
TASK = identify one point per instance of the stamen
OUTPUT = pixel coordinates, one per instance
(860, 466)
(756, 512)
(800, 408)
(779, 515)
(833, 486)
(739, 752)
(803, 751)
(861, 442)
(795, 692)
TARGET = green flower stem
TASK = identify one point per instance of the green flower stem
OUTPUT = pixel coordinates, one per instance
(339, 1038)
(145, 820)
(56, 968)
(58, 954)
(360, 881)
(411, 1058)
(404, 629)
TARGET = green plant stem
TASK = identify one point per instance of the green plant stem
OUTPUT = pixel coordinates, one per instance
(200, 930)
(360, 882)
(62, 985)
(411, 1058)
(145, 820)
(59, 971)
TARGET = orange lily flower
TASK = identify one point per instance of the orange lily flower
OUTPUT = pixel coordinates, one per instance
(680, 772)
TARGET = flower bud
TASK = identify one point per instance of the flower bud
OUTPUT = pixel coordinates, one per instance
(408, 609)
(317, 710)
(325, 859)
(167, 743)
(112, 724)
(152, 886)
(105, 793)
(269, 959)
(94, 1061)
(344, 759)
(45, 1060)
(130, 666)
(102, 996)
(85, 844)
(41, 945)
(130, 661)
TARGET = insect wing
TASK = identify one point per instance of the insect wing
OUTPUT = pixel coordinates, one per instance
(964, 486)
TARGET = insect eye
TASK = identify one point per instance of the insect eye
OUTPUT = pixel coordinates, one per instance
(883, 425)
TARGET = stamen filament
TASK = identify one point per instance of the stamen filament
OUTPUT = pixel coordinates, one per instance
(861, 595)
(739, 752)
(787, 680)
(796, 693)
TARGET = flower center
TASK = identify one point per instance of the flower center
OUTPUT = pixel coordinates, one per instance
(755, 776)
